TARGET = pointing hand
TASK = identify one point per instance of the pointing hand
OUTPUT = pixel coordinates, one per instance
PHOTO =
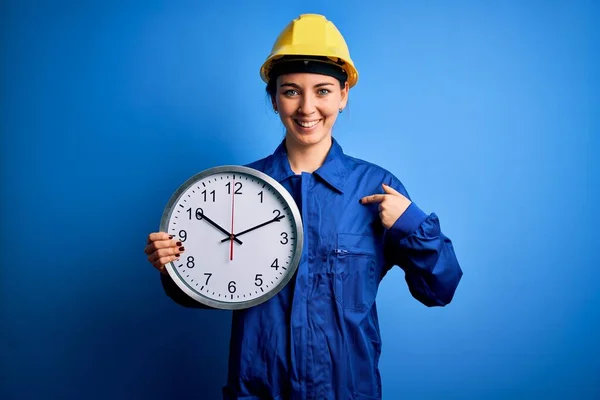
(391, 205)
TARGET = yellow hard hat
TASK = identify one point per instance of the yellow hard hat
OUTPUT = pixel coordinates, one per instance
(311, 35)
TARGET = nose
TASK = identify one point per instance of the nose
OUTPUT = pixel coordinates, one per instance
(307, 104)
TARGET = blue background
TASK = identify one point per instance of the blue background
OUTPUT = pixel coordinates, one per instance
(488, 113)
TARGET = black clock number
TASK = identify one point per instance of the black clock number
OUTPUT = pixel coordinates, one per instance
(261, 196)
(278, 213)
(199, 213)
(258, 281)
(213, 195)
(231, 287)
(190, 262)
(182, 235)
(238, 187)
(275, 264)
(208, 275)
(284, 235)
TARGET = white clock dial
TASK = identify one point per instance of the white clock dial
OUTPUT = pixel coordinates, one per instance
(242, 235)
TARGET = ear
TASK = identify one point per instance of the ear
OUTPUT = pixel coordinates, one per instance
(274, 104)
(344, 94)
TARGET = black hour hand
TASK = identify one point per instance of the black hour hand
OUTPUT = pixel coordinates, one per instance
(213, 223)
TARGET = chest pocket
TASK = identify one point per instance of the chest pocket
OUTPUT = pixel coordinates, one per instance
(356, 278)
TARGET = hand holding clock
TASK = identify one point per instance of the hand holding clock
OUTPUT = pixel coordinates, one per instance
(161, 249)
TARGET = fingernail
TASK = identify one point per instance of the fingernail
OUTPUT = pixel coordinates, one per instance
(177, 255)
(360, 201)
(181, 248)
(171, 236)
(178, 243)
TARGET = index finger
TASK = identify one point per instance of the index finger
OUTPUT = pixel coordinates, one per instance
(374, 198)
(153, 237)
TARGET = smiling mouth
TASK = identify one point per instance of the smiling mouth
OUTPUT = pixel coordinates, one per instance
(307, 124)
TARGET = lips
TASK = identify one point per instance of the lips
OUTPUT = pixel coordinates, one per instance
(307, 124)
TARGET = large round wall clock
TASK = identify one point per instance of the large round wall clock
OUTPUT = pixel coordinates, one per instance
(242, 234)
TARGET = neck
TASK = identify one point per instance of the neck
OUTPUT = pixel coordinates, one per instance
(305, 158)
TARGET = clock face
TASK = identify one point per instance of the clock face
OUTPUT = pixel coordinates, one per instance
(242, 234)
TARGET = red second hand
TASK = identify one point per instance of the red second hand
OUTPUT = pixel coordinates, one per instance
(232, 210)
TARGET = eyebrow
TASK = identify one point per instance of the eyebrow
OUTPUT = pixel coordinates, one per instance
(294, 85)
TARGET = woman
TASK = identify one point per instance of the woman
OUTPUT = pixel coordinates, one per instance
(319, 337)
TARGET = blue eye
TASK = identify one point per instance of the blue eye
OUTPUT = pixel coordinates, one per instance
(290, 92)
(324, 91)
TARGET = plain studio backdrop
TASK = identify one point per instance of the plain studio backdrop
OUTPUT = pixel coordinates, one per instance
(488, 112)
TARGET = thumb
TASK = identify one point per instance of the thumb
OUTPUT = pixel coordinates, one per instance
(389, 189)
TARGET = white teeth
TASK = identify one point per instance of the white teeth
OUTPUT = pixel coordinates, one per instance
(307, 124)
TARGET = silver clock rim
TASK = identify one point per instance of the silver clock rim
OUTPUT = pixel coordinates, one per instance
(295, 261)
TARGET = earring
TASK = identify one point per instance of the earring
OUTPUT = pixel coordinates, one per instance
(341, 110)
(276, 112)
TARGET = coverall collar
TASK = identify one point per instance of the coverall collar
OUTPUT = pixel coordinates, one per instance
(332, 172)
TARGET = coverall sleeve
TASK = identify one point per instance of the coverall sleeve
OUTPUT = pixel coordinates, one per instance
(177, 295)
(417, 245)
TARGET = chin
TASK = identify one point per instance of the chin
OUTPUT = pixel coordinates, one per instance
(310, 139)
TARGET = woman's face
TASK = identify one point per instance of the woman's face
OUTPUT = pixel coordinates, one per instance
(308, 105)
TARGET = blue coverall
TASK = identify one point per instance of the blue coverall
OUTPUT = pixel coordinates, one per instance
(319, 338)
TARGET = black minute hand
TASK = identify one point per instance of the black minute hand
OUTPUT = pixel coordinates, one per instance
(276, 219)
(213, 223)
